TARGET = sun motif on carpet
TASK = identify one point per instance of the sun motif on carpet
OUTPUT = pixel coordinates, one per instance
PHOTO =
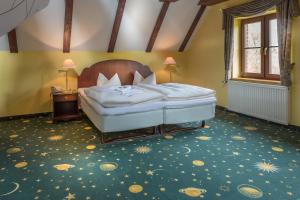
(266, 167)
(55, 138)
(143, 149)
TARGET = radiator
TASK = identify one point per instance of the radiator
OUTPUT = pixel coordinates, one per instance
(269, 102)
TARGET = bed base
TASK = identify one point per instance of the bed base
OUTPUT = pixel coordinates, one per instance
(162, 129)
(126, 122)
(198, 113)
(156, 119)
(156, 131)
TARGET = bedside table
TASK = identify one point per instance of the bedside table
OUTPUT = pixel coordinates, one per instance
(65, 106)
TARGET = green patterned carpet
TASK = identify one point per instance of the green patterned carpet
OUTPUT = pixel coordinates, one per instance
(233, 158)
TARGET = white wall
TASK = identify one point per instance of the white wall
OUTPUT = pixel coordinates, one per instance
(4, 43)
(43, 31)
(137, 24)
(176, 24)
(13, 12)
(92, 24)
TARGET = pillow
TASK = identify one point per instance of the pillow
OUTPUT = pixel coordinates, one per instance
(138, 78)
(151, 79)
(102, 81)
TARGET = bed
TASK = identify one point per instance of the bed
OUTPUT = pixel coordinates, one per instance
(148, 114)
(183, 110)
(122, 118)
(118, 119)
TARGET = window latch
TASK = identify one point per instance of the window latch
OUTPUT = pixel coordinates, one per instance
(265, 51)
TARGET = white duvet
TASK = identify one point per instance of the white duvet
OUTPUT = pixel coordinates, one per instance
(177, 91)
(118, 96)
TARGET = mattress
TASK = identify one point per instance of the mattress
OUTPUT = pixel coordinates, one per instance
(144, 107)
(189, 103)
(114, 123)
(137, 108)
(118, 96)
(178, 91)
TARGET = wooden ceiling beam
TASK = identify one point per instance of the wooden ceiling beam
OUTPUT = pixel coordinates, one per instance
(192, 28)
(158, 24)
(116, 27)
(210, 2)
(12, 41)
(68, 25)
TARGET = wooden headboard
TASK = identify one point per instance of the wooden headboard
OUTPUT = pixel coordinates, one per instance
(124, 68)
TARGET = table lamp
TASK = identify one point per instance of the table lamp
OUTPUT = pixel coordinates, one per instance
(68, 65)
(170, 66)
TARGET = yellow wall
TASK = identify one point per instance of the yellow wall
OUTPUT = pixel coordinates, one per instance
(26, 77)
(295, 90)
(205, 58)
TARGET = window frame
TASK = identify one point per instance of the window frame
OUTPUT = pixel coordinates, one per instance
(264, 49)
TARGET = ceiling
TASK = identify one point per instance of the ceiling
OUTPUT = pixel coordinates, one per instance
(13, 12)
(93, 22)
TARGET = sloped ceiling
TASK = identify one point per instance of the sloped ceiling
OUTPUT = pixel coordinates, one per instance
(13, 12)
(93, 21)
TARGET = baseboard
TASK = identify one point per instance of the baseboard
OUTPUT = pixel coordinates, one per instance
(48, 114)
(26, 116)
(221, 108)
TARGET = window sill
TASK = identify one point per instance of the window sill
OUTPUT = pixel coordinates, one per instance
(252, 80)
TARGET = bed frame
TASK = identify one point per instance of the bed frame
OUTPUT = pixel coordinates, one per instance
(125, 70)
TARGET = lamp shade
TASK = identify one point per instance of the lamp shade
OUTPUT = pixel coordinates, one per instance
(170, 61)
(69, 64)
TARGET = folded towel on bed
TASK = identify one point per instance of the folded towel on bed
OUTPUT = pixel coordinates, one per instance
(178, 91)
(117, 96)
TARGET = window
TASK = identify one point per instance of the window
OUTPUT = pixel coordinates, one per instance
(260, 51)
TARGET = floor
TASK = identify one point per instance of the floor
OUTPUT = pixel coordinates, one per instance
(234, 157)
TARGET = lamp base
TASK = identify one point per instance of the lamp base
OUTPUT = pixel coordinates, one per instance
(171, 79)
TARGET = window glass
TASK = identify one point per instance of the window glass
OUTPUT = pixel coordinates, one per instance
(253, 42)
(273, 34)
(274, 50)
(253, 35)
(253, 60)
(274, 60)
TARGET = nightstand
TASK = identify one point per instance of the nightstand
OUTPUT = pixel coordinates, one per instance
(65, 106)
